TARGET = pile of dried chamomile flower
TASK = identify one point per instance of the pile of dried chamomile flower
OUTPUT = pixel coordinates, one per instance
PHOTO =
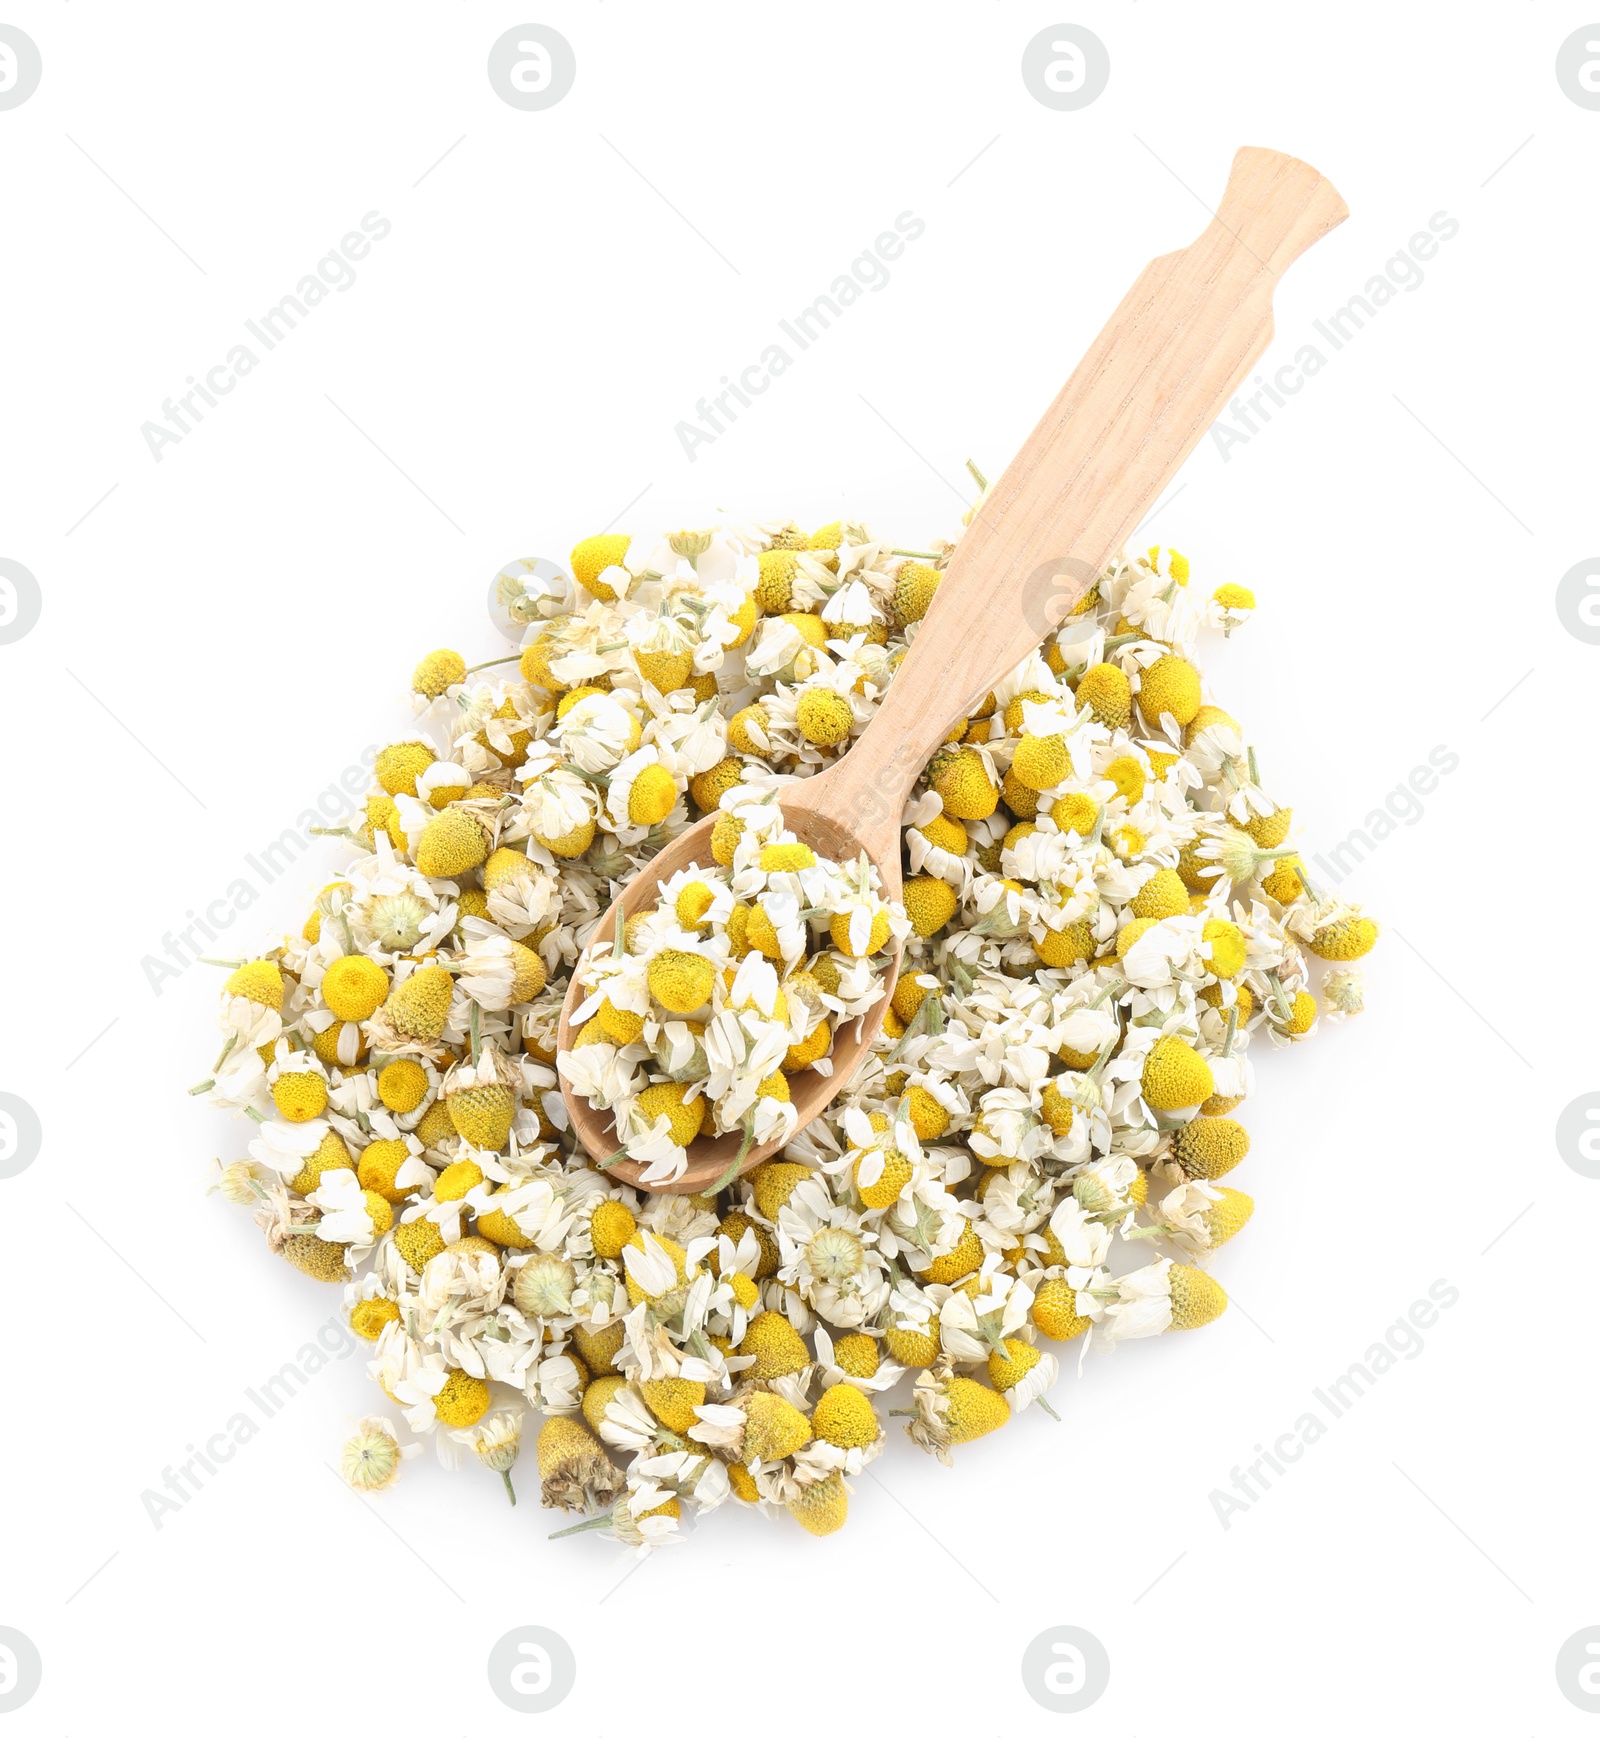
(1102, 915)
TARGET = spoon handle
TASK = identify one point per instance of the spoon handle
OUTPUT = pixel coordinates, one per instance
(1167, 362)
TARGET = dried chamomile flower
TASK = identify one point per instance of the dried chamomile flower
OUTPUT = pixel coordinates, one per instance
(370, 1460)
(1103, 915)
(497, 1444)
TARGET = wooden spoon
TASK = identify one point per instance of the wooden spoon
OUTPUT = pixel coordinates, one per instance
(1176, 350)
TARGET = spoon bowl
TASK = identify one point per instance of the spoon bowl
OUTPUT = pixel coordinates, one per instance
(821, 829)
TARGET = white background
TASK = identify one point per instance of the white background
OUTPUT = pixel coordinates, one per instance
(226, 630)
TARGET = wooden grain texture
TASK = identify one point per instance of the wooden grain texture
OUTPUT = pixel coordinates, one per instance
(1178, 347)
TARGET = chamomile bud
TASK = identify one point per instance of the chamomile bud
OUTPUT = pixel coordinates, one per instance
(930, 903)
(437, 672)
(462, 1401)
(370, 1460)
(543, 1286)
(916, 1347)
(497, 1445)
(1196, 1297)
(611, 1226)
(598, 1347)
(1237, 854)
(355, 987)
(300, 1095)
(773, 1427)
(1163, 895)
(1269, 831)
(259, 981)
(593, 557)
(371, 1315)
(681, 982)
(575, 1472)
(1344, 992)
(481, 1111)
(708, 788)
(770, 1339)
(673, 1400)
(1169, 686)
(316, 1258)
(1065, 946)
(1106, 692)
(1347, 938)
(398, 765)
(845, 1418)
(950, 1410)
(749, 731)
(775, 586)
(929, 1118)
(1175, 1076)
(963, 784)
(881, 1177)
(685, 1116)
(824, 717)
(954, 1266)
(1227, 1216)
(726, 833)
(1210, 1146)
(821, 1508)
(1055, 1311)
(773, 1183)
(1041, 761)
(914, 587)
(418, 1241)
(238, 1183)
(419, 1008)
(453, 842)
(1022, 1373)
